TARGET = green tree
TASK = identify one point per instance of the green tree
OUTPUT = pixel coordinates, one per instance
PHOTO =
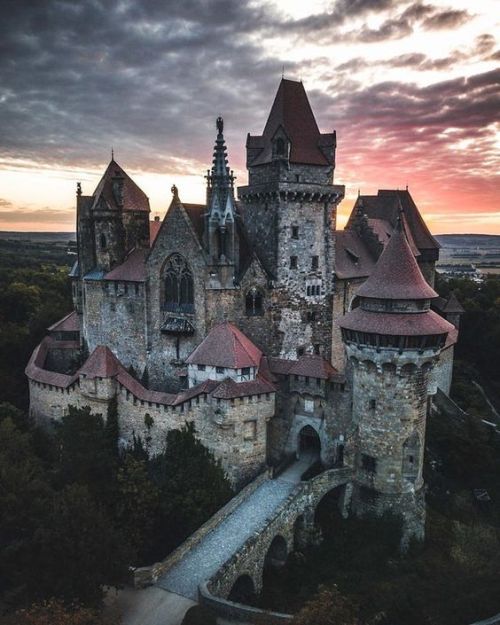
(79, 550)
(192, 485)
(328, 607)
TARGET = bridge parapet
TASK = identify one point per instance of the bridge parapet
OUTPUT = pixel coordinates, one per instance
(250, 558)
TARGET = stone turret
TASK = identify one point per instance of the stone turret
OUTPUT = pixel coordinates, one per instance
(289, 207)
(392, 340)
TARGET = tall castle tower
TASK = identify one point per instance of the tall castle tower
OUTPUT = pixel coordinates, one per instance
(392, 340)
(289, 209)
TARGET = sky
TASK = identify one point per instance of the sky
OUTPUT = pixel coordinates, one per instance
(412, 88)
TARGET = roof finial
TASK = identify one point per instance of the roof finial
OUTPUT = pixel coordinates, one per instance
(112, 154)
(407, 186)
(78, 189)
(219, 124)
(399, 222)
(359, 192)
(282, 72)
(175, 192)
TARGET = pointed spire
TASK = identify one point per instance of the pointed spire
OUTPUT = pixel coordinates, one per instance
(112, 154)
(220, 179)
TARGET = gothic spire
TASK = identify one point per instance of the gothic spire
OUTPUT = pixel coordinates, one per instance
(220, 179)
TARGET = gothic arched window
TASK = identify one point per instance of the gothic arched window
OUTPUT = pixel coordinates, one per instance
(179, 290)
(103, 241)
(254, 303)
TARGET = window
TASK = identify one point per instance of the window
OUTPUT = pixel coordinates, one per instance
(250, 430)
(245, 372)
(368, 463)
(220, 369)
(280, 146)
(179, 291)
(306, 380)
(309, 405)
(295, 232)
(317, 348)
(297, 178)
(300, 351)
(373, 404)
(293, 262)
(201, 367)
(102, 241)
(311, 315)
(254, 306)
(314, 262)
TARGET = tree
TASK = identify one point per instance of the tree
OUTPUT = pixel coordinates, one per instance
(54, 612)
(78, 548)
(137, 508)
(85, 454)
(192, 485)
(328, 607)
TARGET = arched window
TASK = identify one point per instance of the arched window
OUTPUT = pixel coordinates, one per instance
(254, 303)
(179, 291)
(280, 147)
(102, 241)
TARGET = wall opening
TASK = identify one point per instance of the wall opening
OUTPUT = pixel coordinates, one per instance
(328, 513)
(243, 591)
(308, 442)
(277, 553)
(411, 457)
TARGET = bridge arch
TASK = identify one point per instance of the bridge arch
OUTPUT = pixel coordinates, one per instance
(277, 552)
(243, 590)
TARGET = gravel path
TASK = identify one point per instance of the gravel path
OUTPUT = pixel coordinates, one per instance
(224, 540)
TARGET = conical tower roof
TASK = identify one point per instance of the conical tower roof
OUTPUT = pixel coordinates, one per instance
(220, 178)
(396, 275)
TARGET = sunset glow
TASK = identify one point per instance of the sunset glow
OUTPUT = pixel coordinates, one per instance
(412, 89)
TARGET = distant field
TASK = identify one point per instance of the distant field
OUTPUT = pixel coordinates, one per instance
(38, 237)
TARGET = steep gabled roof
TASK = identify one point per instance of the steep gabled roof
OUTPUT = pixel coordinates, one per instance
(383, 210)
(134, 199)
(154, 228)
(292, 113)
(69, 323)
(397, 274)
(352, 257)
(101, 363)
(133, 268)
(453, 305)
(226, 346)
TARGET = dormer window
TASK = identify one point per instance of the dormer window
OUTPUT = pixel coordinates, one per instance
(280, 147)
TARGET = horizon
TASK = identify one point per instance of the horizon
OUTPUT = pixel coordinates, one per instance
(410, 87)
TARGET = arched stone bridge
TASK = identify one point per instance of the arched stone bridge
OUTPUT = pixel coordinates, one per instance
(268, 520)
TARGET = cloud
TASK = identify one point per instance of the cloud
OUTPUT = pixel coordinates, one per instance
(38, 216)
(446, 19)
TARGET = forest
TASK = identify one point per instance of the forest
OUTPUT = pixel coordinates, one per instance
(75, 513)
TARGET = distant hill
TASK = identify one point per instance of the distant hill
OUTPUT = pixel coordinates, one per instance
(469, 240)
(38, 237)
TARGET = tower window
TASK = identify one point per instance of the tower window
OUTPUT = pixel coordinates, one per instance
(314, 262)
(102, 241)
(295, 232)
(317, 348)
(372, 404)
(280, 147)
(368, 463)
(254, 304)
(179, 291)
(293, 262)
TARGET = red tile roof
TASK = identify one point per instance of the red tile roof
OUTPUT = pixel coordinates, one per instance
(292, 112)
(396, 324)
(134, 199)
(101, 363)
(385, 206)
(154, 228)
(352, 257)
(226, 346)
(397, 274)
(133, 268)
(229, 389)
(280, 366)
(312, 366)
(35, 368)
(69, 323)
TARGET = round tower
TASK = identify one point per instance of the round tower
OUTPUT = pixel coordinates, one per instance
(392, 340)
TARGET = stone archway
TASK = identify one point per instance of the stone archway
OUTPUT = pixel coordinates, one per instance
(329, 507)
(308, 442)
(277, 553)
(243, 591)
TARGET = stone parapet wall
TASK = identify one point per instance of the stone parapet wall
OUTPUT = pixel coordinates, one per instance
(147, 575)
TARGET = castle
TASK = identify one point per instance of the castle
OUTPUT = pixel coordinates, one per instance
(254, 317)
